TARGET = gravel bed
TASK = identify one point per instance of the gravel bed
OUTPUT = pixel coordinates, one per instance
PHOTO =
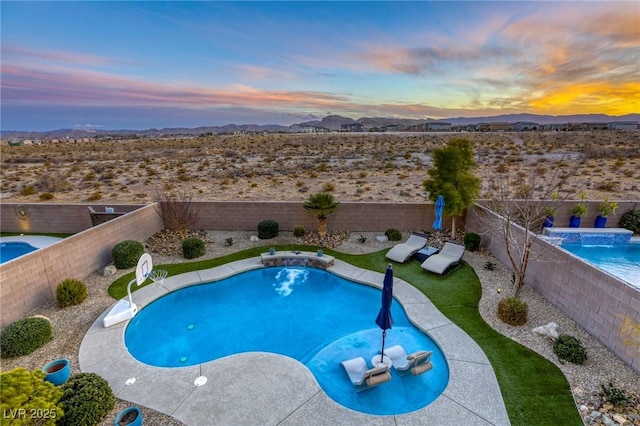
(71, 324)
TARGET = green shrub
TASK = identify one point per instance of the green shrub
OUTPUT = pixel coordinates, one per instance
(631, 221)
(27, 390)
(362, 239)
(228, 241)
(268, 229)
(489, 266)
(615, 395)
(127, 253)
(570, 349)
(192, 247)
(46, 196)
(471, 241)
(71, 292)
(86, 399)
(24, 336)
(298, 231)
(513, 311)
(393, 234)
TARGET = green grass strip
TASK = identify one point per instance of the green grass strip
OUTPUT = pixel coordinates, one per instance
(534, 389)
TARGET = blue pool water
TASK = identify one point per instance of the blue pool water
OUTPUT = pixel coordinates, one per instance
(310, 315)
(11, 250)
(622, 261)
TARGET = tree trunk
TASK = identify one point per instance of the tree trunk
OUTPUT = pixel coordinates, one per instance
(453, 227)
(322, 228)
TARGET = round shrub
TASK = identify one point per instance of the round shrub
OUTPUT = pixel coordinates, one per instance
(71, 292)
(513, 311)
(24, 336)
(298, 231)
(127, 253)
(192, 247)
(268, 229)
(631, 221)
(471, 241)
(86, 399)
(570, 349)
(393, 234)
(28, 391)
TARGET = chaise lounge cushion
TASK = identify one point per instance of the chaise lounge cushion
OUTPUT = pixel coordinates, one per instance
(402, 252)
(449, 256)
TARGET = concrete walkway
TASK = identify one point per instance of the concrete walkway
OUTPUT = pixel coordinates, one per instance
(240, 391)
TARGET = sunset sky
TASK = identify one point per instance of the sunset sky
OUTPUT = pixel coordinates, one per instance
(139, 65)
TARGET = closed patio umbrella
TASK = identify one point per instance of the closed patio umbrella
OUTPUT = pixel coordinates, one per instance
(384, 319)
(437, 224)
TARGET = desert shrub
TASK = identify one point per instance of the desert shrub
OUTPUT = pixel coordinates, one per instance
(268, 229)
(393, 234)
(192, 247)
(631, 221)
(570, 349)
(127, 253)
(86, 399)
(24, 336)
(298, 231)
(228, 241)
(489, 266)
(28, 190)
(27, 390)
(71, 292)
(46, 196)
(614, 394)
(471, 241)
(362, 239)
(513, 311)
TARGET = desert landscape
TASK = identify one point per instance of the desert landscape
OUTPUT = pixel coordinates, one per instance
(287, 167)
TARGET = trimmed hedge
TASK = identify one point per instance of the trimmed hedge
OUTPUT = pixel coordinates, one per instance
(268, 229)
(71, 292)
(86, 399)
(472, 241)
(25, 336)
(28, 391)
(193, 247)
(393, 234)
(127, 253)
(631, 221)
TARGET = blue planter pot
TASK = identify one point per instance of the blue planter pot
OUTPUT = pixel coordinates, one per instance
(131, 416)
(57, 371)
(574, 222)
(600, 222)
(548, 222)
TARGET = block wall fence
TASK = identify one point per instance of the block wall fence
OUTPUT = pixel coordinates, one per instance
(603, 305)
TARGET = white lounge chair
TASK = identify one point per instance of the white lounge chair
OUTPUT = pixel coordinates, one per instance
(416, 363)
(402, 252)
(363, 377)
(450, 255)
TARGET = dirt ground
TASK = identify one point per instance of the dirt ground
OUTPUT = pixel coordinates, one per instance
(289, 167)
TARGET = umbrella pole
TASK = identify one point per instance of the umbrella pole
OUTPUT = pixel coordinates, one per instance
(384, 334)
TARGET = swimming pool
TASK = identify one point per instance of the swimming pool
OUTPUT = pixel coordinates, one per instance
(13, 249)
(622, 260)
(310, 315)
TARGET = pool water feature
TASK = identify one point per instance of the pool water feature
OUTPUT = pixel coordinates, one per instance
(310, 315)
(621, 260)
(14, 249)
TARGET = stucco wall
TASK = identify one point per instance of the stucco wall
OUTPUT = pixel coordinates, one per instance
(606, 307)
(31, 280)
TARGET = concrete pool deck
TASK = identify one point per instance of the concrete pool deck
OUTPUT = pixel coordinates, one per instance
(270, 389)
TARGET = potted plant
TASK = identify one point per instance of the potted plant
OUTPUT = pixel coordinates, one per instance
(579, 211)
(605, 209)
(549, 213)
(131, 416)
(57, 371)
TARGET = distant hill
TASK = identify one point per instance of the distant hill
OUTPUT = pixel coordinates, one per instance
(331, 122)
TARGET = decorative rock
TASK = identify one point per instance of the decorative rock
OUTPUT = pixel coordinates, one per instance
(594, 415)
(254, 238)
(607, 421)
(109, 270)
(550, 330)
(583, 408)
(381, 238)
(619, 419)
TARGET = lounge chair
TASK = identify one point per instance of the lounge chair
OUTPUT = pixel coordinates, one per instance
(363, 377)
(416, 363)
(402, 252)
(450, 256)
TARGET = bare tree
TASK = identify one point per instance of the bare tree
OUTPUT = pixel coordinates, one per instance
(176, 210)
(525, 204)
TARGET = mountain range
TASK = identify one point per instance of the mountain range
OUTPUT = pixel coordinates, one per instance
(331, 122)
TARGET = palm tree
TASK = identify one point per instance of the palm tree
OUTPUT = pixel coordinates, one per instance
(321, 205)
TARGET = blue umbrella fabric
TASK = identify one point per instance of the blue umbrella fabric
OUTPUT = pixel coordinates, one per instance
(384, 319)
(437, 225)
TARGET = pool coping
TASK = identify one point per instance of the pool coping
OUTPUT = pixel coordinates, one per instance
(269, 389)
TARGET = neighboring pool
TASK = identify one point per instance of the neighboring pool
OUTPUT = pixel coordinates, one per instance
(623, 261)
(12, 250)
(310, 315)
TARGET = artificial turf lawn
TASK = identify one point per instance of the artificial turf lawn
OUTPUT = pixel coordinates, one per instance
(534, 390)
